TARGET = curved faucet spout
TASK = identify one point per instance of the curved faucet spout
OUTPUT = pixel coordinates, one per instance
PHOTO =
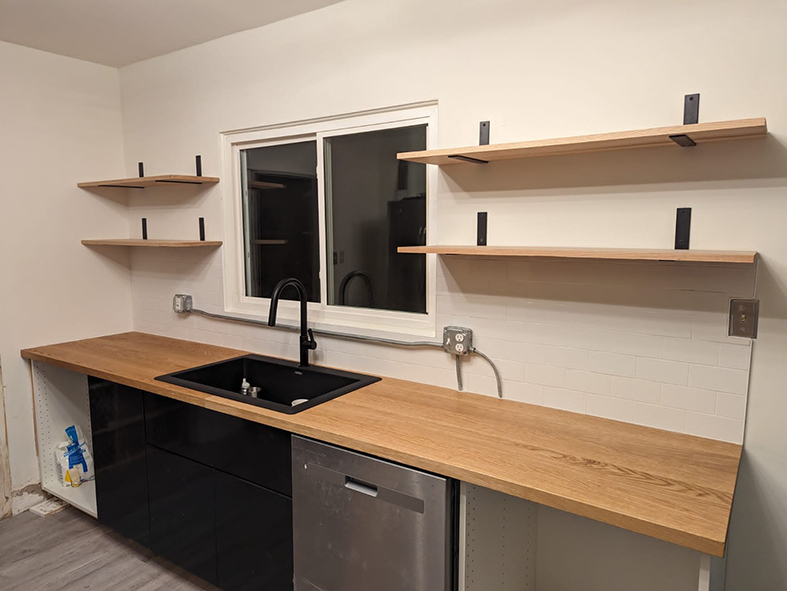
(307, 342)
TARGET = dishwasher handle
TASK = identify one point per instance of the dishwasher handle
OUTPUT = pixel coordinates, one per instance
(361, 487)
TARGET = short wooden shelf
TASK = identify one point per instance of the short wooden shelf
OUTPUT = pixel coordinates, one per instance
(153, 243)
(266, 186)
(640, 138)
(151, 181)
(615, 254)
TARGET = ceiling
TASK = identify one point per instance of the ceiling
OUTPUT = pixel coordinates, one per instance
(121, 32)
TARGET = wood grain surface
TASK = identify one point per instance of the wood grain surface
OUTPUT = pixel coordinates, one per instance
(152, 243)
(603, 142)
(670, 486)
(151, 181)
(619, 254)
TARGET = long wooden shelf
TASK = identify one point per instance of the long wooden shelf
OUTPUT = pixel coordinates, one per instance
(639, 138)
(151, 181)
(615, 254)
(153, 243)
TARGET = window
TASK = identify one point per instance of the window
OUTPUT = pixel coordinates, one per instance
(329, 203)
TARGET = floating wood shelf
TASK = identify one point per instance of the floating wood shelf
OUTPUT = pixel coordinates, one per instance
(641, 138)
(266, 186)
(270, 242)
(153, 243)
(615, 254)
(151, 181)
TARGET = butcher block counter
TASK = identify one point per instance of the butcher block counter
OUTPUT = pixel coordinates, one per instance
(669, 486)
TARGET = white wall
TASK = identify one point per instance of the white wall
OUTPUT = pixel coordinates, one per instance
(60, 122)
(535, 70)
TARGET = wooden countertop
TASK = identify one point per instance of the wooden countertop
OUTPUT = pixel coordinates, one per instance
(670, 486)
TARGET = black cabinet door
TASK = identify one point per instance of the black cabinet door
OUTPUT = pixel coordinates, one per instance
(254, 452)
(118, 429)
(182, 516)
(253, 536)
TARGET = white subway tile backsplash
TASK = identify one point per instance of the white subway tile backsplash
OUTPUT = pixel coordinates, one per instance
(589, 339)
(735, 356)
(586, 381)
(721, 379)
(636, 390)
(511, 350)
(545, 375)
(658, 370)
(691, 351)
(564, 399)
(661, 417)
(665, 324)
(641, 345)
(732, 406)
(565, 357)
(523, 392)
(688, 398)
(714, 427)
(612, 363)
(480, 385)
(610, 408)
(710, 326)
(645, 344)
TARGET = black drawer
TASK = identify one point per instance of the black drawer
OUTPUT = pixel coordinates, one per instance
(117, 418)
(245, 449)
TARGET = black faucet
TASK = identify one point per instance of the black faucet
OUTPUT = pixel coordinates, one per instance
(307, 341)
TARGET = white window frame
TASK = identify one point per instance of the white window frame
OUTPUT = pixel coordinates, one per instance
(361, 321)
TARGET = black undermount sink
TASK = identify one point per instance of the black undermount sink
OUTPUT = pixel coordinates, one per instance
(280, 382)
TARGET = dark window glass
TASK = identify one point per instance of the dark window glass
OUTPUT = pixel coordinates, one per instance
(280, 218)
(376, 203)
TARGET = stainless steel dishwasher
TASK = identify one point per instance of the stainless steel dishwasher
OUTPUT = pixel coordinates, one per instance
(364, 524)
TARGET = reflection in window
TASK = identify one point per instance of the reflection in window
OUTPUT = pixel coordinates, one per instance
(280, 218)
(374, 204)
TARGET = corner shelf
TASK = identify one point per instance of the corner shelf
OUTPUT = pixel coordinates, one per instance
(737, 129)
(151, 181)
(614, 254)
(153, 243)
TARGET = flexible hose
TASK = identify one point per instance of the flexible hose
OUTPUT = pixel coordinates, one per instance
(494, 369)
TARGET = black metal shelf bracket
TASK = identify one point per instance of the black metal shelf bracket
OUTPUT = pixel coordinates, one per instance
(481, 228)
(468, 159)
(144, 228)
(199, 164)
(683, 228)
(483, 133)
(141, 167)
(691, 116)
(202, 229)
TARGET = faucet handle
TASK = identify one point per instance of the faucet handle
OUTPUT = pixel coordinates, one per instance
(311, 343)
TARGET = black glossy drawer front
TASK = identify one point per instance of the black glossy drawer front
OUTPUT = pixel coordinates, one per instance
(251, 451)
(117, 417)
(253, 536)
(182, 517)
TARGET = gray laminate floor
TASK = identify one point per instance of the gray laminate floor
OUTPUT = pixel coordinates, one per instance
(70, 551)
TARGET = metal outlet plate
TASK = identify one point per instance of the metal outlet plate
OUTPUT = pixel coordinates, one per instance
(744, 318)
(457, 340)
(182, 303)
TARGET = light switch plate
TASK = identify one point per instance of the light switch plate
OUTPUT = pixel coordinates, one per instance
(457, 340)
(744, 318)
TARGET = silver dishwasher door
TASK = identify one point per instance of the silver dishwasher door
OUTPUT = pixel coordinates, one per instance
(363, 524)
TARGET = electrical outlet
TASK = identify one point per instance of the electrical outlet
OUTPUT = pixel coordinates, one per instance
(744, 318)
(457, 340)
(182, 303)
